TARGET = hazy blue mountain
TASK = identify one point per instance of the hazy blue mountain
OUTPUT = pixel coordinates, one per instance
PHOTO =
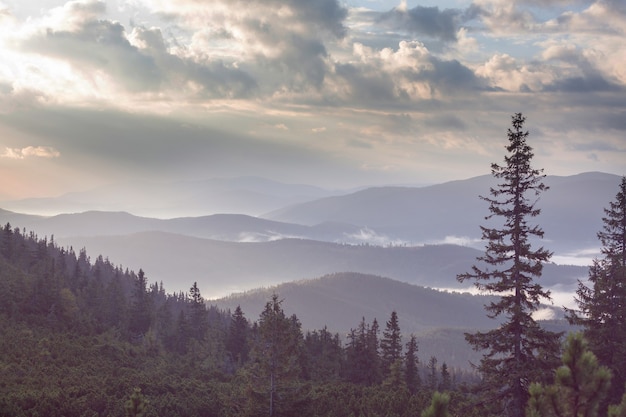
(571, 216)
(243, 195)
(339, 301)
(227, 227)
(224, 267)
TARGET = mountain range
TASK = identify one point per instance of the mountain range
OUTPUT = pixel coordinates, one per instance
(377, 249)
(572, 210)
(242, 195)
(223, 267)
(396, 232)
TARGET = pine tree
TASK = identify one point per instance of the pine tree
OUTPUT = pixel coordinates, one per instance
(391, 343)
(580, 386)
(411, 362)
(373, 354)
(362, 357)
(140, 310)
(275, 356)
(518, 350)
(237, 341)
(603, 304)
(198, 319)
(432, 373)
(446, 378)
(324, 356)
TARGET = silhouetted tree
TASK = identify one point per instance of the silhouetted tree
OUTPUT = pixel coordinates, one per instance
(411, 365)
(446, 378)
(237, 342)
(603, 304)
(519, 350)
(432, 373)
(391, 343)
(140, 309)
(198, 319)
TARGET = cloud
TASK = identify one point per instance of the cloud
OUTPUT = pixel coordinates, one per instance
(425, 21)
(139, 61)
(30, 151)
(283, 41)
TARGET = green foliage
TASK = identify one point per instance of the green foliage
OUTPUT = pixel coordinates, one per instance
(518, 350)
(137, 405)
(324, 358)
(580, 385)
(618, 410)
(438, 406)
(76, 339)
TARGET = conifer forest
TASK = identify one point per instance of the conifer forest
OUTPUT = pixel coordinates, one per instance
(80, 336)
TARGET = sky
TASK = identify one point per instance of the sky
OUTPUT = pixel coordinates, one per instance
(324, 92)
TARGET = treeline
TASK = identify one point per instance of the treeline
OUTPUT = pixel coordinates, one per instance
(77, 337)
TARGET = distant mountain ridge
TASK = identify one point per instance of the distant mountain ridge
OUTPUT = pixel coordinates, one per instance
(241, 195)
(225, 267)
(389, 225)
(226, 227)
(572, 210)
(571, 216)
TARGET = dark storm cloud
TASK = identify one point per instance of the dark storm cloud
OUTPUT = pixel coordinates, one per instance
(426, 21)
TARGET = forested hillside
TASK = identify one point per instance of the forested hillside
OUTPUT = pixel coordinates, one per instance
(77, 338)
(82, 337)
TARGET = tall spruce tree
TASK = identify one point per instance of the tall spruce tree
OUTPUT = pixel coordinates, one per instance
(411, 368)
(391, 344)
(198, 318)
(237, 341)
(603, 304)
(140, 309)
(518, 351)
(275, 368)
